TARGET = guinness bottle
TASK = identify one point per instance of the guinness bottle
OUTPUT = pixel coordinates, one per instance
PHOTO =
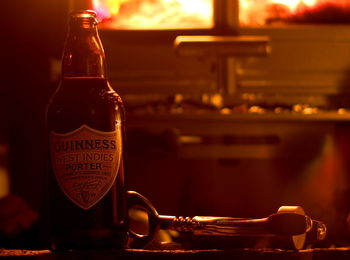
(85, 120)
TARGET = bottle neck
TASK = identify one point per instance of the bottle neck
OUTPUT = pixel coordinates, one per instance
(83, 53)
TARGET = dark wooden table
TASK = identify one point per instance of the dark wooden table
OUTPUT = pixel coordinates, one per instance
(242, 254)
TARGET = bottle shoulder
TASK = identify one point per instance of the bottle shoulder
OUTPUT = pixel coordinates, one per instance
(90, 102)
(78, 90)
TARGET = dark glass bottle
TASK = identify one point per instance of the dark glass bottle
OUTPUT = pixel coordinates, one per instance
(85, 120)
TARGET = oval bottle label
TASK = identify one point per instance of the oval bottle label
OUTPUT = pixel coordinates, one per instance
(86, 163)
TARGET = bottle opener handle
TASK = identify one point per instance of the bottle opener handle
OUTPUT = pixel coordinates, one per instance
(289, 224)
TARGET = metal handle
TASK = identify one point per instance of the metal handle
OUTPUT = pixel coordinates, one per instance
(289, 224)
(282, 224)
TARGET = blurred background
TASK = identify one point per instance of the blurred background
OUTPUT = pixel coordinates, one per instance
(254, 117)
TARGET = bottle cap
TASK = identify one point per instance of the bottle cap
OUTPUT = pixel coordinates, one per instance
(85, 16)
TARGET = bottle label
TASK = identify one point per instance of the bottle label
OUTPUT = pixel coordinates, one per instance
(86, 163)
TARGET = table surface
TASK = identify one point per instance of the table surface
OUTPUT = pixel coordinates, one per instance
(271, 254)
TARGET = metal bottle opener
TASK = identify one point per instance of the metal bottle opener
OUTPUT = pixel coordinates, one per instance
(289, 222)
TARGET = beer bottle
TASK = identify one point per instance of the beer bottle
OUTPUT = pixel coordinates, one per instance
(85, 120)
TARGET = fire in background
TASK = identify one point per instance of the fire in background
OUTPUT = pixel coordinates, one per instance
(155, 14)
(264, 12)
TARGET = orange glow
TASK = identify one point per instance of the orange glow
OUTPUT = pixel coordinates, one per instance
(155, 14)
(293, 4)
(258, 12)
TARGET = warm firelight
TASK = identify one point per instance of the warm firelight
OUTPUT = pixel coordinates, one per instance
(198, 14)
(155, 14)
(261, 12)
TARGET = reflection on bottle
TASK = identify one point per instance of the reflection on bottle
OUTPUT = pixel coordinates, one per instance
(4, 174)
